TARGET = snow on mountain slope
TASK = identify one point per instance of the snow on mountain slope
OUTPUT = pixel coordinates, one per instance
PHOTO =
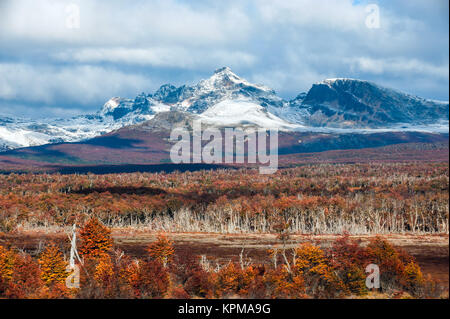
(112, 104)
(15, 138)
(224, 78)
(222, 85)
(24, 133)
(245, 113)
(21, 137)
(116, 113)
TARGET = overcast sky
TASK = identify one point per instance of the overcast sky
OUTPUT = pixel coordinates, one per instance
(52, 64)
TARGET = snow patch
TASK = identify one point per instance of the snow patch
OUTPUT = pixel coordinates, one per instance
(243, 112)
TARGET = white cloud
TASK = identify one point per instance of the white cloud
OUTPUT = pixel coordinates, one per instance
(124, 23)
(122, 48)
(325, 14)
(398, 66)
(174, 56)
(69, 84)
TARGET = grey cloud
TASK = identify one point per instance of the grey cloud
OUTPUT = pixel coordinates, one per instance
(123, 48)
(80, 84)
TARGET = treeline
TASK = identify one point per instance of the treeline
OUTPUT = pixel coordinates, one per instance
(306, 271)
(357, 198)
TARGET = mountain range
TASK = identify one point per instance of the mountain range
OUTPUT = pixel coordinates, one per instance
(225, 99)
(337, 120)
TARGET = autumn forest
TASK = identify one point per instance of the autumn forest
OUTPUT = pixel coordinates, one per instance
(339, 200)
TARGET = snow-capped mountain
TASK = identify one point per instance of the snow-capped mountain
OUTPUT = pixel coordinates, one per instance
(221, 86)
(226, 99)
(139, 109)
(351, 103)
(19, 132)
(222, 89)
(116, 113)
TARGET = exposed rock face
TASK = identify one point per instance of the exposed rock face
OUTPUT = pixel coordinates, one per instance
(355, 103)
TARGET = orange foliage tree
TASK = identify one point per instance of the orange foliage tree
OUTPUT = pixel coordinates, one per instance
(347, 258)
(6, 267)
(53, 266)
(26, 279)
(105, 276)
(188, 272)
(281, 284)
(96, 239)
(320, 279)
(228, 279)
(398, 270)
(149, 279)
(162, 250)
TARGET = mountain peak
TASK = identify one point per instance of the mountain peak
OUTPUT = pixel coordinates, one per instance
(224, 69)
(111, 104)
(224, 77)
(225, 74)
(334, 80)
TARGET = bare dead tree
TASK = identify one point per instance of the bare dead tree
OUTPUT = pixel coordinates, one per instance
(244, 260)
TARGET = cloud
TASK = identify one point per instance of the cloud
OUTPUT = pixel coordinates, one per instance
(174, 56)
(399, 66)
(327, 14)
(75, 84)
(27, 111)
(123, 23)
(122, 48)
